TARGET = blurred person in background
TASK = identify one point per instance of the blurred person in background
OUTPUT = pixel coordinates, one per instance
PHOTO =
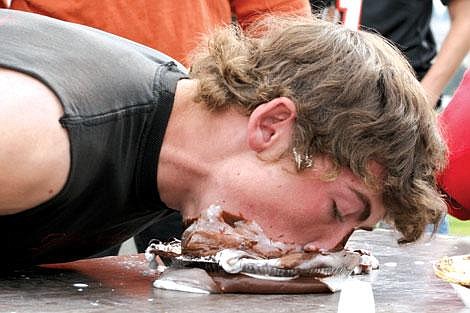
(407, 23)
(455, 179)
(172, 27)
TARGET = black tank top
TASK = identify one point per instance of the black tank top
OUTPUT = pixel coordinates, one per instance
(117, 96)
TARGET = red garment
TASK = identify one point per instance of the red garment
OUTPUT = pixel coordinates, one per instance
(455, 123)
(170, 26)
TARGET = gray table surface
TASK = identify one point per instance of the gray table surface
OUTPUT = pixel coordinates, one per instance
(405, 282)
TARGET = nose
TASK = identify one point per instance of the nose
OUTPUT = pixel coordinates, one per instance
(332, 243)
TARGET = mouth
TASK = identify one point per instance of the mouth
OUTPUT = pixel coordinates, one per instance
(236, 256)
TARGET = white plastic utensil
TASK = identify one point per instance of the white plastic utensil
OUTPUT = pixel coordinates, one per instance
(356, 296)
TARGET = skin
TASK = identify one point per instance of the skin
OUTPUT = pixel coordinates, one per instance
(452, 52)
(245, 176)
(232, 159)
(34, 159)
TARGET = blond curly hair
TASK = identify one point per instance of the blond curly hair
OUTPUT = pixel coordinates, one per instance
(356, 97)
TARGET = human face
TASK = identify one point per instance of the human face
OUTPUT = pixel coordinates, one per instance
(303, 208)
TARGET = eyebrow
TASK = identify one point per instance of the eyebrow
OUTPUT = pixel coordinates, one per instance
(365, 214)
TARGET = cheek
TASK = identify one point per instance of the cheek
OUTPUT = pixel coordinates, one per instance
(287, 209)
(297, 225)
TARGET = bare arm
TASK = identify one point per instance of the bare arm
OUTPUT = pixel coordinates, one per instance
(453, 50)
(34, 153)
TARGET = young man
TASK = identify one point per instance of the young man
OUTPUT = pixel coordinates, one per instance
(172, 27)
(308, 128)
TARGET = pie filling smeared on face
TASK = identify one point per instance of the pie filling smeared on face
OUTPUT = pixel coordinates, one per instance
(222, 253)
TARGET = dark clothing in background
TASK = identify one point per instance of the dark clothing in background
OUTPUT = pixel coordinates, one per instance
(404, 22)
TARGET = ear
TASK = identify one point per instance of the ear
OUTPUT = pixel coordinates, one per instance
(270, 126)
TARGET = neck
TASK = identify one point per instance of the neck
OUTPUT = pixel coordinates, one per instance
(196, 143)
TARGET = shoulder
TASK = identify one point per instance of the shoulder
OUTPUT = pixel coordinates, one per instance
(34, 154)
